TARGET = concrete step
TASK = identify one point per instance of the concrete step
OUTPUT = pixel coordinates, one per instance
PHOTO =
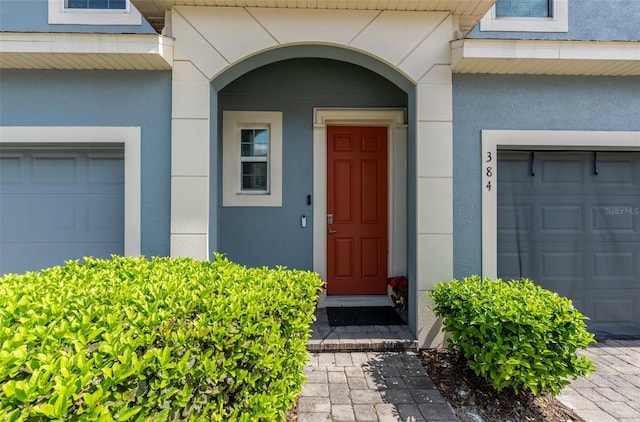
(355, 338)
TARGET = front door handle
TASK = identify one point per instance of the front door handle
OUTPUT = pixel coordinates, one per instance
(331, 231)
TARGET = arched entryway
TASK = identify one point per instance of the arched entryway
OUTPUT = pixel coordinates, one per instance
(313, 94)
(411, 50)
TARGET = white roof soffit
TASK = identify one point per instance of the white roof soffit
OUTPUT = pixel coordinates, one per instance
(469, 11)
(85, 51)
(546, 57)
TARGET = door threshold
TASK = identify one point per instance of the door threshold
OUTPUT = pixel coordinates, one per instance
(357, 300)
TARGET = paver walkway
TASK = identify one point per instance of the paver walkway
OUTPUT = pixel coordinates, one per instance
(612, 394)
(371, 373)
(370, 386)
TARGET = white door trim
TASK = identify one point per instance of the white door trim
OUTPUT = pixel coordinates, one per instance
(396, 122)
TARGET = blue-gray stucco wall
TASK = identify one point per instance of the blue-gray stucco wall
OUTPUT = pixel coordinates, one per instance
(33, 16)
(599, 20)
(269, 236)
(519, 102)
(105, 98)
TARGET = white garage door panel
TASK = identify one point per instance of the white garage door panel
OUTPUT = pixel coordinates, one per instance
(573, 231)
(59, 204)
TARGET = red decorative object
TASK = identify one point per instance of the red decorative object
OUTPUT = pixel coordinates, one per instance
(400, 286)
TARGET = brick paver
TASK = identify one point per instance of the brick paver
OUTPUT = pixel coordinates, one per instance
(371, 373)
(373, 386)
(613, 392)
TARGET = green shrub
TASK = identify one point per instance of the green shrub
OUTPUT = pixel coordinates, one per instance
(514, 334)
(166, 339)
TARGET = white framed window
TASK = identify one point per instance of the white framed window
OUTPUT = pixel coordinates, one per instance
(252, 159)
(93, 12)
(527, 16)
(522, 8)
(122, 5)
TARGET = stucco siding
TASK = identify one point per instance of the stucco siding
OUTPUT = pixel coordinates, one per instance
(523, 103)
(588, 20)
(274, 235)
(105, 98)
(33, 16)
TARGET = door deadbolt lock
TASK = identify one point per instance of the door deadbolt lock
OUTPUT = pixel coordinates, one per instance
(329, 218)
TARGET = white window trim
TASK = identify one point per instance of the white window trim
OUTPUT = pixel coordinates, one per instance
(127, 136)
(559, 22)
(60, 15)
(494, 140)
(232, 193)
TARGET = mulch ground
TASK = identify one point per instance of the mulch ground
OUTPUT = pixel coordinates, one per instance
(474, 400)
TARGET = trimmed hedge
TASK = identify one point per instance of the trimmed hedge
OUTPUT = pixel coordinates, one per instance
(165, 339)
(514, 334)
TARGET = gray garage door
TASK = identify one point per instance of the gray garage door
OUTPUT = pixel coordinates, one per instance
(58, 204)
(571, 222)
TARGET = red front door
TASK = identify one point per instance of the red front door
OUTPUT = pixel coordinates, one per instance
(356, 210)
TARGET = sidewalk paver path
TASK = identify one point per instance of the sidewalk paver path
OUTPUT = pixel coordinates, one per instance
(370, 386)
(612, 393)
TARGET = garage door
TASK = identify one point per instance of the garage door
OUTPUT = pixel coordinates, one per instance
(59, 204)
(571, 222)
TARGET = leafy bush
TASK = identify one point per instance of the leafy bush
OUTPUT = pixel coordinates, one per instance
(514, 334)
(166, 339)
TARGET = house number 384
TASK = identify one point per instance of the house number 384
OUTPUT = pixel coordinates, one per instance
(488, 171)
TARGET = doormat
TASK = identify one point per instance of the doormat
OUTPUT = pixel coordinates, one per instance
(363, 315)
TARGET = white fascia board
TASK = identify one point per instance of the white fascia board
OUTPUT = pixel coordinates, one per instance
(467, 51)
(155, 48)
(548, 49)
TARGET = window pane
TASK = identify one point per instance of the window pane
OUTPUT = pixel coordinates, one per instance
(77, 4)
(118, 4)
(254, 142)
(97, 4)
(523, 8)
(254, 176)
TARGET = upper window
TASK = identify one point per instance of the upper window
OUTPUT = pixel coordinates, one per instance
(96, 4)
(527, 16)
(523, 8)
(252, 159)
(93, 12)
